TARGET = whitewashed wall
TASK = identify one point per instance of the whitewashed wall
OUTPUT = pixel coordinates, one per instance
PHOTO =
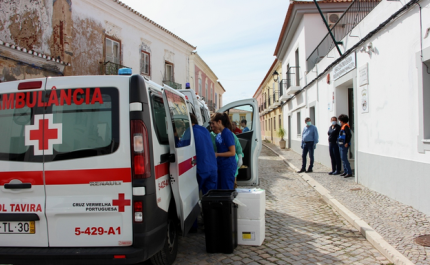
(136, 34)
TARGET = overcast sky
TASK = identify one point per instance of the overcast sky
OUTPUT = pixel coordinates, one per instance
(236, 38)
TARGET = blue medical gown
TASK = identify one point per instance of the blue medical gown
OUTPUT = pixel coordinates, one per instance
(226, 165)
(206, 160)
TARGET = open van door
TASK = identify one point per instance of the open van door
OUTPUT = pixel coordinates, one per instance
(250, 141)
(183, 171)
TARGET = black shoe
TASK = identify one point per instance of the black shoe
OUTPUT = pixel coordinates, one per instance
(331, 173)
(343, 174)
(301, 171)
(335, 173)
(309, 171)
(348, 176)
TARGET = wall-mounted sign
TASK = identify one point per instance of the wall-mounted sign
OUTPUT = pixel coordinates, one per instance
(364, 99)
(363, 76)
(344, 67)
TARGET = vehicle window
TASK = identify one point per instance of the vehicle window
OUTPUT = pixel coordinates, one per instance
(159, 118)
(180, 122)
(240, 114)
(13, 121)
(59, 124)
(89, 123)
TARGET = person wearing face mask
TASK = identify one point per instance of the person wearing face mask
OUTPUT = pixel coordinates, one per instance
(333, 134)
(309, 143)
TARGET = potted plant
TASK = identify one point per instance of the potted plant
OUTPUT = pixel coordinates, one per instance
(281, 134)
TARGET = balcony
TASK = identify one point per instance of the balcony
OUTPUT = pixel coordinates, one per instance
(172, 84)
(110, 68)
(276, 101)
(292, 83)
(353, 15)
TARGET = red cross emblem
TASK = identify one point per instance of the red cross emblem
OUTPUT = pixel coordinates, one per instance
(43, 134)
(121, 202)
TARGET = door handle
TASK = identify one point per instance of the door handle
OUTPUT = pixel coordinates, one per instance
(193, 162)
(16, 186)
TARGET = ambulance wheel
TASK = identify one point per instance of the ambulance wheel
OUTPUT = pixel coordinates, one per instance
(167, 255)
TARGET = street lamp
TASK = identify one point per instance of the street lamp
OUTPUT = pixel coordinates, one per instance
(275, 76)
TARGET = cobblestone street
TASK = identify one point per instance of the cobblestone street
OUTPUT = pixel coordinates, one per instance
(300, 228)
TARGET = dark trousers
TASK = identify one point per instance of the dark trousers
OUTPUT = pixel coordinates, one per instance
(344, 157)
(335, 157)
(308, 147)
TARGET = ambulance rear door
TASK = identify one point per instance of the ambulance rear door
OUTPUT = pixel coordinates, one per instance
(88, 170)
(22, 191)
(183, 172)
(250, 141)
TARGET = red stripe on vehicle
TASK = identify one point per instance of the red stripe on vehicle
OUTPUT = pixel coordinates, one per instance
(186, 165)
(161, 170)
(85, 176)
(33, 177)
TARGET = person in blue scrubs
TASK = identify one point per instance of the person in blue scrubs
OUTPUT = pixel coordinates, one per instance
(207, 173)
(226, 151)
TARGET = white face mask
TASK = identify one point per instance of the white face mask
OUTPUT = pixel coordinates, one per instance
(333, 122)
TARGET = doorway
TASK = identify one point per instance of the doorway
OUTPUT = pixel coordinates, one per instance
(351, 122)
(312, 115)
(289, 132)
(271, 130)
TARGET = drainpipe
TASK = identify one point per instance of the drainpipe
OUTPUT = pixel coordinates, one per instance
(329, 30)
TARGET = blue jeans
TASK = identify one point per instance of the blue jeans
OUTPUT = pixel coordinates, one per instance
(344, 157)
(335, 157)
(308, 147)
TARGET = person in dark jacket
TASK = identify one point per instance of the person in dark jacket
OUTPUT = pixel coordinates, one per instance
(344, 142)
(333, 134)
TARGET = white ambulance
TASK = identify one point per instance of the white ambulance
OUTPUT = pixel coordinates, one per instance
(90, 172)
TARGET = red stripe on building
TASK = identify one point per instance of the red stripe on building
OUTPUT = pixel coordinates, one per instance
(33, 177)
(161, 170)
(85, 176)
(186, 165)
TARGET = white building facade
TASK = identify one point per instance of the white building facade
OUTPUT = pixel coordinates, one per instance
(382, 82)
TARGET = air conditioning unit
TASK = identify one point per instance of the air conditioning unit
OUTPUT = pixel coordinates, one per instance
(333, 18)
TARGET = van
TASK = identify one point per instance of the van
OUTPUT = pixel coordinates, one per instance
(197, 107)
(90, 171)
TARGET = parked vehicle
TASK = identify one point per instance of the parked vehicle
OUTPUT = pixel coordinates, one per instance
(90, 171)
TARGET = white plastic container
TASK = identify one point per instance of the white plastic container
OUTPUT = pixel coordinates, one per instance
(255, 201)
(251, 232)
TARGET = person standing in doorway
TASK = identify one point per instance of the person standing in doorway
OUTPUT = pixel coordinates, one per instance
(344, 142)
(333, 134)
(309, 143)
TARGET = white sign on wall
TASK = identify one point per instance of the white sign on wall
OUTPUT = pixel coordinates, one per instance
(364, 93)
(364, 75)
(344, 67)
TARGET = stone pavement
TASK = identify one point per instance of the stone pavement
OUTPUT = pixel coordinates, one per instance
(300, 228)
(397, 223)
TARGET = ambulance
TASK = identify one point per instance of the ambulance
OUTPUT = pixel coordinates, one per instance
(91, 173)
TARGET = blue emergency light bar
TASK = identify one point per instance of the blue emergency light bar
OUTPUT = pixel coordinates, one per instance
(124, 71)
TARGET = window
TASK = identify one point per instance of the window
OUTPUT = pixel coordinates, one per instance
(297, 72)
(299, 129)
(200, 87)
(220, 101)
(206, 90)
(89, 127)
(169, 72)
(274, 123)
(216, 100)
(145, 63)
(280, 122)
(159, 118)
(180, 122)
(112, 51)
